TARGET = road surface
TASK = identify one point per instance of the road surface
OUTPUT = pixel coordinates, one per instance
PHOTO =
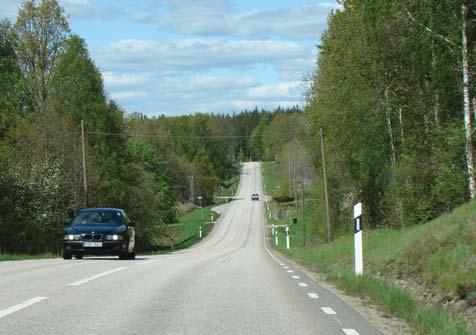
(230, 283)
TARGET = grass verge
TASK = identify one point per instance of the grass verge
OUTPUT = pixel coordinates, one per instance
(439, 256)
(17, 257)
(227, 189)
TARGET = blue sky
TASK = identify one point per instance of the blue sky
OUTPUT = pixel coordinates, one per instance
(177, 57)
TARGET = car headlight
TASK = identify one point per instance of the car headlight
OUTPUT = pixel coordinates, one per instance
(114, 237)
(72, 237)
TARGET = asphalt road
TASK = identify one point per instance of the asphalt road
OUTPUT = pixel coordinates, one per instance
(230, 283)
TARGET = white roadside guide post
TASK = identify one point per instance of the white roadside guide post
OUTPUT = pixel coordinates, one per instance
(276, 236)
(359, 260)
(287, 237)
(200, 231)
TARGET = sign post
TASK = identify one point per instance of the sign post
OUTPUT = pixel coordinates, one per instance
(359, 260)
(287, 237)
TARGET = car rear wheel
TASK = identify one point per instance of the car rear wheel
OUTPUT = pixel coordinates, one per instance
(132, 255)
(79, 256)
(67, 255)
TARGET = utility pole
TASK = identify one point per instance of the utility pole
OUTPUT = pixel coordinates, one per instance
(324, 173)
(302, 214)
(294, 184)
(191, 184)
(85, 179)
(201, 207)
(289, 175)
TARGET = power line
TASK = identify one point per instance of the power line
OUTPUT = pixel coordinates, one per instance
(218, 137)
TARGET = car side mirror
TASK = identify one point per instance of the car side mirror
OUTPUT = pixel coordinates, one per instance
(132, 224)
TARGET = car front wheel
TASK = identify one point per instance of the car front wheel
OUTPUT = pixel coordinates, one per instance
(123, 255)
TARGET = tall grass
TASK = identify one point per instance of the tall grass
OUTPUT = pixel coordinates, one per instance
(437, 254)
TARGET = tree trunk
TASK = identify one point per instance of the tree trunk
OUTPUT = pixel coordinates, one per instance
(400, 119)
(389, 127)
(474, 107)
(466, 106)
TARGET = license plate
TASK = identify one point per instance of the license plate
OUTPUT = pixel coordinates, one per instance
(92, 244)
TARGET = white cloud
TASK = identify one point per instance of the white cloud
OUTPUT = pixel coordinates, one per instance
(193, 54)
(205, 93)
(128, 95)
(284, 90)
(75, 9)
(116, 80)
(217, 17)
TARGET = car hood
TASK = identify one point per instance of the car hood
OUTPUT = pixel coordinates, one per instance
(99, 229)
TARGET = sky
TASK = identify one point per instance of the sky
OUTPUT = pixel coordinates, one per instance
(176, 57)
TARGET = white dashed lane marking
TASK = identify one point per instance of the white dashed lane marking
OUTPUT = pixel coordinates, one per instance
(290, 271)
(83, 281)
(313, 295)
(303, 284)
(328, 310)
(350, 332)
(16, 308)
(296, 277)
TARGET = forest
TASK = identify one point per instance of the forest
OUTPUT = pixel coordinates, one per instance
(393, 94)
(49, 85)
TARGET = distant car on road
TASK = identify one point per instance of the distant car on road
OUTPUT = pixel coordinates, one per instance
(255, 196)
(99, 231)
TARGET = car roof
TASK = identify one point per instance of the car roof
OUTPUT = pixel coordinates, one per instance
(101, 209)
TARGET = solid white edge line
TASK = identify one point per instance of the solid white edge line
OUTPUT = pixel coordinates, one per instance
(328, 310)
(303, 284)
(102, 274)
(313, 295)
(350, 332)
(16, 308)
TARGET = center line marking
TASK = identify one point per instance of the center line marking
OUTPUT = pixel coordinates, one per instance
(350, 332)
(303, 284)
(18, 307)
(328, 310)
(81, 282)
(296, 277)
(313, 295)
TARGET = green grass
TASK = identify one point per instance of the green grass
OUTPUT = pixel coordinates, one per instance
(439, 255)
(274, 182)
(16, 257)
(227, 189)
(186, 232)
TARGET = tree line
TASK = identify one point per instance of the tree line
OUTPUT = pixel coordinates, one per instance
(395, 94)
(48, 85)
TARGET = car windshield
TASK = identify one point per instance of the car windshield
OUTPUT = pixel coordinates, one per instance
(99, 217)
